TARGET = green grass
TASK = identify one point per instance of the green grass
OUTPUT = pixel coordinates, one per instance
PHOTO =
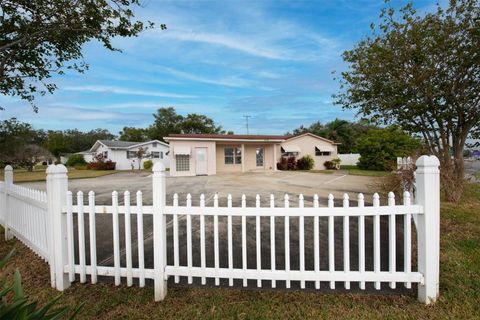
(367, 173)
(321, 171)
(355, 171)
(21, 175)
(459, 287)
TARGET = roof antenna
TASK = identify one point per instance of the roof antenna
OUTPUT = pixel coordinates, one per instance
(246, 119)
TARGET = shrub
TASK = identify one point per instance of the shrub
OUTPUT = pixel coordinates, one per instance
(283, 164)
(100, 163)
(291, 163)
(329, 165)
(147, 164)
(15, 305)
(75, 159)
(107, 165)
(44, 163)
(337, 162)
(379, 148)
(305, 163)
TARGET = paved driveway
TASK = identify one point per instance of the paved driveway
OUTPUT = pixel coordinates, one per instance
(250, 184)
(278, 183)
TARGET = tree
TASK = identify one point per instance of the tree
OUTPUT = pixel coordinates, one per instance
(73, 140)
(133, 134)
(379, 148)
(18, 144)
(140, 154)
(342, 131)
(166, 121)
(196, 123)
(43, 37)
(421, 72)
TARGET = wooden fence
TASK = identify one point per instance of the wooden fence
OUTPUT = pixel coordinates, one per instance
(70, 252)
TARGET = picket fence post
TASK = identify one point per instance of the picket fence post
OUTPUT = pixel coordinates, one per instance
(428, 226)
(57, 187)
(8, 175)
(159, 231)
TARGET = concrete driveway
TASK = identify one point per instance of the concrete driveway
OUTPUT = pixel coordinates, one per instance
(250, 184)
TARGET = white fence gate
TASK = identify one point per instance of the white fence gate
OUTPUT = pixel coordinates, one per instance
(46, 223)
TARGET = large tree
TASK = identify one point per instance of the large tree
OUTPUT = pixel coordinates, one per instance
(423, 73)
(40, 38)
(167, 121)
(133, 134)
(198, 123)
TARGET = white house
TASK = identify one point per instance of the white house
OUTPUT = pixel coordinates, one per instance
(123, 153)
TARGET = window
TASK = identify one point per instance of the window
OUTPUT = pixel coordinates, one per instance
(233, 155)
(259, 157)
(154, 144)
(131, 154)
(157, 154)
(321, 153)
(288, 154)
(105, 154)
(182, 162)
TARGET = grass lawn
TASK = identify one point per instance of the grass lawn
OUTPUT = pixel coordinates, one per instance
(21, 175)
(459, 287)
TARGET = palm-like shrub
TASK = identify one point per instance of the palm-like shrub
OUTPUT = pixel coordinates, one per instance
(15, 305)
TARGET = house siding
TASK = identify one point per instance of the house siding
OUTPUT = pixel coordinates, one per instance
(211, 157)
(307, 145)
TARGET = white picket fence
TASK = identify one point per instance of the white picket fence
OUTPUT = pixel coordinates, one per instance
(69, 258)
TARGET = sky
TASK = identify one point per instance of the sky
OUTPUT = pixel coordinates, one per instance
(270, 60)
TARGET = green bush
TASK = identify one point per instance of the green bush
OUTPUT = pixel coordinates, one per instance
(329, 165)
(305, 163)
(379, 148)
(147, 164)
(15, 305)
(75, 159)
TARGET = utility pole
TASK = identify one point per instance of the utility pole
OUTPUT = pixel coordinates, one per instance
(246, 119)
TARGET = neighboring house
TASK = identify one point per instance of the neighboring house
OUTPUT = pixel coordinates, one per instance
(208, 154)
(123, 153)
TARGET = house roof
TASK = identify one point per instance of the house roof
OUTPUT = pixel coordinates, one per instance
(116, 144)
(238, 137)
(312, 135)
(229, 136)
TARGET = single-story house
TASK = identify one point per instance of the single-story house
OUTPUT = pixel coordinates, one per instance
(124, 153)
(208, 154)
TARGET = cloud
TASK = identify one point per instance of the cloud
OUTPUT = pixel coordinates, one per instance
(125, 91)
(229, 81)
(228, 41)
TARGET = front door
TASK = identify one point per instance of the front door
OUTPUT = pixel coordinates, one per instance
(201, 161)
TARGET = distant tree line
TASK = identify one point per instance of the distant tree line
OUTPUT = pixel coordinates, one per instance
(22, 145)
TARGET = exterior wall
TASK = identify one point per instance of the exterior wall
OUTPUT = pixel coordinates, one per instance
(211, 157)
(249, 158)
(119, 156)
(221, 166)
(307, 145)
(123, 163)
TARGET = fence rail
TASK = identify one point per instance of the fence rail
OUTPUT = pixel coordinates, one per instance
(269, 244)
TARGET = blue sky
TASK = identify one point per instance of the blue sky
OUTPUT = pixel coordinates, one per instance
(271, 60)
